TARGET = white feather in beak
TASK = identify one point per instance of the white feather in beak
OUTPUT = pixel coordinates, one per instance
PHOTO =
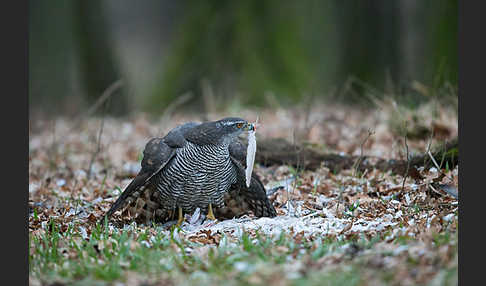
(250, 153)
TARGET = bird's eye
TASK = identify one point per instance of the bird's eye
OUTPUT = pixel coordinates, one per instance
(239, 125)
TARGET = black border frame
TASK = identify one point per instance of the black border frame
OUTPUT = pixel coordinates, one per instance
(15, 141)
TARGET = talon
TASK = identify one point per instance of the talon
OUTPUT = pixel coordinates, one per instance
(180, 220)
(210, 213)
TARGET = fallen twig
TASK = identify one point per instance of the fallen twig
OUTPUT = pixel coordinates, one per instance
(358, 161)
(104, 96)
(451, 190)
(347, 228)
(429, 143)
(448, 189)
(98, 147)
(438, 168)
(408, 161)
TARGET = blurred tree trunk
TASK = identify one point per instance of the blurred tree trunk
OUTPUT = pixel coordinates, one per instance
(411, 43)
(441, 39)
(369, 40)
(97, 65)
(51, 59)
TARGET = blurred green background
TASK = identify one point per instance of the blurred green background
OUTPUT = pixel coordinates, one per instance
(248, 53)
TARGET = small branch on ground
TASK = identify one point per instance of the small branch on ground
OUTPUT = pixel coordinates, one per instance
(443, 156)
(438, 167)
(358, 161)
(450, 190)
(429, 143)
(408, 160)
(339, 200)
(99, 102)
(348, 227)
(98, 146)
(295, 175)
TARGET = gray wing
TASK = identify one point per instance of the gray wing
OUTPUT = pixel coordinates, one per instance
(240, 196)
(176, 138)
(157, 154)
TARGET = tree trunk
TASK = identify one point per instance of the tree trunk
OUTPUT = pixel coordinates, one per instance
(97, 66)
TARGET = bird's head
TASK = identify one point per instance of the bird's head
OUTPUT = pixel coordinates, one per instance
(222, 131)
(233, 126)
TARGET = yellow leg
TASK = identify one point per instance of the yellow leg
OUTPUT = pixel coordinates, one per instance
(181, 217)
(210, 212)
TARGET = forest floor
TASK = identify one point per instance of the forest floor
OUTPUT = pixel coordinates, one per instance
(345, 228)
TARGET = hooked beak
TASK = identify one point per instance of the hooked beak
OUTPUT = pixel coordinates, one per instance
(250, 127)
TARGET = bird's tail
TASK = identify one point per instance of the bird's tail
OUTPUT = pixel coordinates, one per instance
(257, 199)
(130, 196)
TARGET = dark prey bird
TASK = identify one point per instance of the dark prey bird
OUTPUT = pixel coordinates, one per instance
(196, 165)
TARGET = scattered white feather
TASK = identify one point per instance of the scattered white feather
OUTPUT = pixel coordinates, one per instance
(449, 217)
(407, 199)
(82, 232)
(61, 182)
(323, 224)
(145, 243)
(195, 216)
(33, 187)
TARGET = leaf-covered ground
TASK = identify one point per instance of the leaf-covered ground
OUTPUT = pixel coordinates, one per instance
(347, 228)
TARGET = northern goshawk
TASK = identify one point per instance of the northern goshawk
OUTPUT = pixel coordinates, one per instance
(196, 165)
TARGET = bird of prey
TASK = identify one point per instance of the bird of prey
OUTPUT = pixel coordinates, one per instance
(196, 165)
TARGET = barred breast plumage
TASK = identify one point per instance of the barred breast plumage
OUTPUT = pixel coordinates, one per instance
(197, 176)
